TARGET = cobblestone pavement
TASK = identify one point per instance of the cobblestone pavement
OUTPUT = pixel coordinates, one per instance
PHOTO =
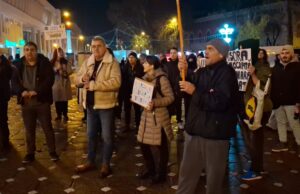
(46, 177)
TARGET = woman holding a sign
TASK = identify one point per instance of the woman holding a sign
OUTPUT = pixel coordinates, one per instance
(155, 126)
(258, 117)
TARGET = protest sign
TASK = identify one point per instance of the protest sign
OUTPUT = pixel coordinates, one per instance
(240, 60)
(55, 32)
(142, 92)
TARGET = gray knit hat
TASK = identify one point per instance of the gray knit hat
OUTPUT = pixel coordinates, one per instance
(220, 45)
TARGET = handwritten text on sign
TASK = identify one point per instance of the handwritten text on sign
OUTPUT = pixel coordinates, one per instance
(240, 60)
(142, 92)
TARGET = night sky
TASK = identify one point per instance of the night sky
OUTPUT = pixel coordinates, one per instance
(91, 15)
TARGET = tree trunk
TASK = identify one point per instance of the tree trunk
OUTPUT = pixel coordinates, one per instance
(289, 23)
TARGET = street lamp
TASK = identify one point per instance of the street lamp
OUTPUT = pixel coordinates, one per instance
(143, 33)
(68, 24)
(66, 18)
(55, 45)
(88, 47)
(174, 20)
(66, 14)
(69, 37)
(81, 37)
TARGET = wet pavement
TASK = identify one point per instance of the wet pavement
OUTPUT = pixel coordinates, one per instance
(44, 176)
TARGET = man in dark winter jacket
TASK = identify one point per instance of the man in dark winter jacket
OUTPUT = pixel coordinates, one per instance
(285, 95)
(174, 77)
(5, 74)
(34, 89)
(211, 120)
(133, 69)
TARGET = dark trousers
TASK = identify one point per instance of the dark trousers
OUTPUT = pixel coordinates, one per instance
(4, 131)
(137, 110)
(118, 111)
(255, 144)
(61, 108)
(30, 115)
(176, 109)
(156, 157)
(187, 100)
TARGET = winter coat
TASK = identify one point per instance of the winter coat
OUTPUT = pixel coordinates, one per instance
(152, 122)
(129, 75)
(44, 80)
(6, 72)
(285, 84)
(62, 85)
(106, 84)
(214, 104)
(174, 77)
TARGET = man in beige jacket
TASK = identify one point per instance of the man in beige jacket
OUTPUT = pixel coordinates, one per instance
(101, 77)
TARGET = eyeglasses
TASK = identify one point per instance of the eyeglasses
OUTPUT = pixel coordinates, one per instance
(30, 49)
(96, 46)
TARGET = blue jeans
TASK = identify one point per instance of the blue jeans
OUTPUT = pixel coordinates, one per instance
(100, 121)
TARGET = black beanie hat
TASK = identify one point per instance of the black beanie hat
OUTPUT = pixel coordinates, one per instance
(133, 54)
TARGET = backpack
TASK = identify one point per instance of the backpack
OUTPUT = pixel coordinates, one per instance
(157, 88)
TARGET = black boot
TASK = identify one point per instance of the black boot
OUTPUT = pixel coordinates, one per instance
(146, 174)
(149, 162)
(158, 179)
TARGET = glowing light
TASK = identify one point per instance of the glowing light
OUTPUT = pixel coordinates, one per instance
(55, 45)
(8, 43)
(69, 42)
(66, 14)
(68, 23)
(174, 20)
(81, 37)
(226, 31)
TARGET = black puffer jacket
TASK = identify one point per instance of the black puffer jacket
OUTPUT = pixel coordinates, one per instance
(44, 79)
(5, 75)
(129, 75)
(285, 84)
(214, 104)
(174, 77)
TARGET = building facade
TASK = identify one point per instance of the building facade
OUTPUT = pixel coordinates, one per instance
(25, 20)
(283, 25)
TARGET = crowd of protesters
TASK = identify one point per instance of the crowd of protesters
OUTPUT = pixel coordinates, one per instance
(204, 84)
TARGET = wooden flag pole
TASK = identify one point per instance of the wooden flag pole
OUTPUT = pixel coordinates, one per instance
(180, 29)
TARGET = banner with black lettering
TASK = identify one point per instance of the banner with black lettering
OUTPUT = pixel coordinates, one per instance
(240, 60)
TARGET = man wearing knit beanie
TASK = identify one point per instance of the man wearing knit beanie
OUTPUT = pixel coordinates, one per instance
(287, 54)
(285, 96)
(211, 120)
(216, 49)
(220, 45)
(132, 69)
(132, 54)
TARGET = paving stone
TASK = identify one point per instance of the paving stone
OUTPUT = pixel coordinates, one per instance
(106, 189)
(32, 192)
(69, 190)
(141, 188)
(244, 186)
(63, 180)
